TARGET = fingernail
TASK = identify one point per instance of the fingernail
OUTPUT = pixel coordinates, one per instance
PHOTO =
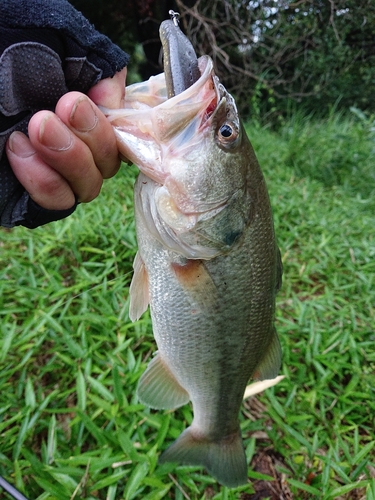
(54, 135)
(83, 117)
(20, 145)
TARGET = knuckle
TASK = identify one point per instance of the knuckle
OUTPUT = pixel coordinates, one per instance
(51, 185)
(91, 193)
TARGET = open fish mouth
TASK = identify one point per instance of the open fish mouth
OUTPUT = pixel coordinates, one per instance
(206, 92)
(174, 109)
(183, 98)
(152, 126)
(173, 117)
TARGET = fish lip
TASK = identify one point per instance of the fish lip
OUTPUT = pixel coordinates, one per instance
(132, 114)
(206, 67)
(207, 71)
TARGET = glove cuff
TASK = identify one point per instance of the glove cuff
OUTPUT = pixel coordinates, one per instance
(36, 216)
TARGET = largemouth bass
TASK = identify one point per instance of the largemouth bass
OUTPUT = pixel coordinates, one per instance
(208, 264)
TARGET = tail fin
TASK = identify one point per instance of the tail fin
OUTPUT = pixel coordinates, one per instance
(225, 460)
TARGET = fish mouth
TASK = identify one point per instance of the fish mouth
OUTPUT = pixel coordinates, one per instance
(173, 113)
(183, 69)
(152, 126)
(164, 106)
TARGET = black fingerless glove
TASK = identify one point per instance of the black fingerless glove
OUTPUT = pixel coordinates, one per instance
(47, 48)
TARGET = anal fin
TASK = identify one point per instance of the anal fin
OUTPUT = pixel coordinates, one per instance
(158, 387)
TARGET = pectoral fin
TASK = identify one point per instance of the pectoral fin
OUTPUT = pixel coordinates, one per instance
(269, 367)
(139, 295)
(158, 387)
(197, 283)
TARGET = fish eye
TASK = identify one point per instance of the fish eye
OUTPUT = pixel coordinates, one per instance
(228, 134)
(226, 130)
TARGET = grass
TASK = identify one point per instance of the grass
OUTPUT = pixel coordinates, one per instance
(70, 423)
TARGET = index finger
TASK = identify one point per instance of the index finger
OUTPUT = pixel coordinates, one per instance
(90, 125)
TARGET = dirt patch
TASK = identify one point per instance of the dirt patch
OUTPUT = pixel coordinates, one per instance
(267, 462)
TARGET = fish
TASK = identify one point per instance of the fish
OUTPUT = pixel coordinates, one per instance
(208, 264)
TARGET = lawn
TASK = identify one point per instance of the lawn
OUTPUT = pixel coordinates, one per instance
(70, 423)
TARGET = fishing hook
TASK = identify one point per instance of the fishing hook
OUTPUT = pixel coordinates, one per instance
(174, 16)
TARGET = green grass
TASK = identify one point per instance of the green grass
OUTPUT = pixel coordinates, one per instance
(70, 423)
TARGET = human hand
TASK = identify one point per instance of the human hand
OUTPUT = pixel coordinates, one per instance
(69, 152)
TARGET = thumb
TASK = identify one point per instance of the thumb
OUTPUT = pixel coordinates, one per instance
(110, 92)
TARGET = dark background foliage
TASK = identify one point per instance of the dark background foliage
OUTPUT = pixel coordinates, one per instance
(317, 53)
